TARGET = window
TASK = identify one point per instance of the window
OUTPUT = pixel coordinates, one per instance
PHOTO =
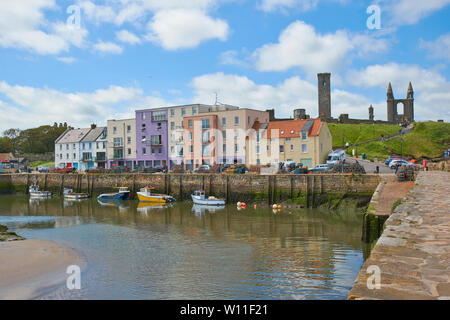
(281, 149)
(67, 147)
(224, 121)
(236, 148)
(128, 128)
(190, 136)
(183, 111)
(206, 150)
(74, 146)
(114, 129)
(224, 134)
(194, 110)
(60, 156)
(104, 144)
(288, 139)
(129, 140)
(282, 132)
(190, 123)
(172, 149)
(67, 156)
(236, 133)
(159, 150)
(153, 150)
(172, 125)
(83, 146)
(143, 115)
(224, 148)
(292, 147)
(158, 115)
(144, 150)
(236, 120)
(172, 137)
(97, 145)
(205, 137)
(205, 124)
(172, 112)
(60, 147)
(118, 142)
(304, 135)
(90, 145)
(129, 151)
(257, 137)
(74, 155)
(191, 148)
(248, 120)
(257, 149)
(144, 138)
(159, 126)
(304, 148)
(156, 140)
(143, 127)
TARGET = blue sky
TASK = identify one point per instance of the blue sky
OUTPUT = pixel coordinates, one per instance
(120, 55)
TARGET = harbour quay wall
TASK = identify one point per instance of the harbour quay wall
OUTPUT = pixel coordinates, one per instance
(302, 189)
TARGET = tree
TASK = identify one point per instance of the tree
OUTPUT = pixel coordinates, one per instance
(5, 145)
(13, 135)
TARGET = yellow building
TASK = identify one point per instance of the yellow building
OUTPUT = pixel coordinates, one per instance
(303, 141)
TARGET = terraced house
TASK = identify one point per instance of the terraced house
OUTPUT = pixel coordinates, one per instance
(93, 149)
(121, 146)
(67, 148)
(303, 141)
(219, 137)
(151, 138)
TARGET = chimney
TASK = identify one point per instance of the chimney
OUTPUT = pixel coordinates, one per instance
(93, 126)
(271, 114)
(299, 114)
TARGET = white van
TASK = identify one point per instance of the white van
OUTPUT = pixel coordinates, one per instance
(336, 157)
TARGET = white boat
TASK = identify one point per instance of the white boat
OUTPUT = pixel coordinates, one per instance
(199, 198)
(70, 195)
(36, 193)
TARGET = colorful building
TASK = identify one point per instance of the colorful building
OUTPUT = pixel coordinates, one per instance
(121, 146)
(219, 136)
(176, 127)
(67, 148)
(93, 149)
(152, 138)
(303, 141)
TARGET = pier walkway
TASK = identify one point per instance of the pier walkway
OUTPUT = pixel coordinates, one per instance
(413, 252)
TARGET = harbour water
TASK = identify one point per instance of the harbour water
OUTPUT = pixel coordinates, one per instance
(136, 251)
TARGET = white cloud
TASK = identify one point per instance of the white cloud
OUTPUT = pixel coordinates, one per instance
(300, 46)
(439, 48)
(68, 60)
(39, 106)
(127, 37)
(108, 47)
(185, 28)
(408, 12)
(274, 5)
(23, 25)
(431, 88)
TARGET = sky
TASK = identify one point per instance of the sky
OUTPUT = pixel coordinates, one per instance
(86, 61)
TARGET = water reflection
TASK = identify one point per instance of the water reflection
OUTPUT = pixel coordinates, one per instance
(137, 250)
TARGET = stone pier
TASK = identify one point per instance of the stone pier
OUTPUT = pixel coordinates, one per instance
(413, 252)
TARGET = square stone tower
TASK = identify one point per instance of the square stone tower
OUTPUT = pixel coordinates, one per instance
(324, 87)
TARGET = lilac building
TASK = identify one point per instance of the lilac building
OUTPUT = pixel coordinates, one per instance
(152, 138)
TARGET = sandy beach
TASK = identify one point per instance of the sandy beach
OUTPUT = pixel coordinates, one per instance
(31, 268)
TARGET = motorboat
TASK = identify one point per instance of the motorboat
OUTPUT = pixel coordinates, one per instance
(70, 195)
(199, 197)
(122, 194)
(146, 195)
(35, 192)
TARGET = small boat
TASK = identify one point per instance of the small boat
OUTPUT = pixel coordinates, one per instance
(70, 195)
(199, 198)
(146, 195)
(35, 192)
(122, 194)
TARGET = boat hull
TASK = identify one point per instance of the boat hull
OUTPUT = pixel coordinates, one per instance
(40, 194)
(114, 196)
(159, 199)
(208, 202)
(77, 196)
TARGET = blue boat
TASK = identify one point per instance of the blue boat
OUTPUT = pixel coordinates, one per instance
(123, 194)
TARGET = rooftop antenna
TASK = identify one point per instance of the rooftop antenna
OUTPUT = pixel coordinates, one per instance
(216, 102)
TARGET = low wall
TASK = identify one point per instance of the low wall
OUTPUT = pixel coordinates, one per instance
(303, 189)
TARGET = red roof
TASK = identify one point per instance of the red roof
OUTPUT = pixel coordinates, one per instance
(5, 156)
(291, 128)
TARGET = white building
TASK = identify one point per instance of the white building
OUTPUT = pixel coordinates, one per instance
(67, 148)
(93, 149)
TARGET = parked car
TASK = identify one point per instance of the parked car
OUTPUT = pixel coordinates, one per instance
(203, 168)
(389, 160)
(336, 157)
(400, 162)
(43, 169)
(320, 167)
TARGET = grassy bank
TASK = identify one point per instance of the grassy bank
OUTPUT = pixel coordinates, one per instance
(428, 140)
(36, 164)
